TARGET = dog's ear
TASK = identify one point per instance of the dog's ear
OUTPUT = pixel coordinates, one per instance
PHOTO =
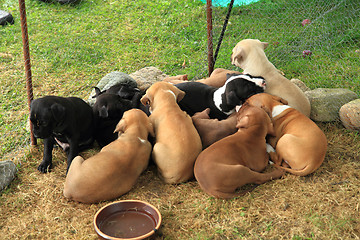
(120, 127)
(237, 56)
(179, 94)
(58, 111)
(98, 92)
(265, 44)
(232, 99)
(146, 99)
(243, 122)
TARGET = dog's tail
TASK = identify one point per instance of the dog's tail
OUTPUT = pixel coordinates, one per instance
(310, 168)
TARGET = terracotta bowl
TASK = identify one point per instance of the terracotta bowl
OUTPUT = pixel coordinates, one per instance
(127, 219)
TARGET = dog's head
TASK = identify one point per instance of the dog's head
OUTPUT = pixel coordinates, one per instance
(238, 88)
(251, 116)
(134, 116)
(243, 52)
(45, 116)
(110, 106)
(266, 101)
(161, 88)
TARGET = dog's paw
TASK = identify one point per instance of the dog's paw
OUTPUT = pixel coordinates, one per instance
(44, 167)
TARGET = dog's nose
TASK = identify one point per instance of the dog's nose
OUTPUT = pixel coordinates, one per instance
(264, 82)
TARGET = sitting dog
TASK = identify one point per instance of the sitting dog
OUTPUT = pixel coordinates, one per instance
(109, 108)
(67, 121)
(221, 101)
(212, 130)
(299, 143)
(249, 55)
(177, 141)
(238, 159)
(114, 170)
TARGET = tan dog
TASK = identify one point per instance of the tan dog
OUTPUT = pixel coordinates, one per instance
(216, 79)
(177, 141)
(300, 144)
(115, 169)
(237, 159)
(249, 55)
(212, 130)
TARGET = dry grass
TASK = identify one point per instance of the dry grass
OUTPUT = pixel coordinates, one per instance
(323, 205)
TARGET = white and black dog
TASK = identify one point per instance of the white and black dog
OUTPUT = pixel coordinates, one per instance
(221, 101)
(67, 121)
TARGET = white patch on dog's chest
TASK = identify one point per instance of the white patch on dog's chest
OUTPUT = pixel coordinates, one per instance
(217, 97)
(278, 109)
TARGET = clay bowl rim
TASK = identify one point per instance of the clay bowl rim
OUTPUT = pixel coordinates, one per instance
(105, 236)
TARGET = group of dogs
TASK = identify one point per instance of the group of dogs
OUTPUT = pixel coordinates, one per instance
(222, 130)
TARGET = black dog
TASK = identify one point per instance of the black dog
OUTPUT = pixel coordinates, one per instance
(109, 108)
(221, 101)
(67, 121)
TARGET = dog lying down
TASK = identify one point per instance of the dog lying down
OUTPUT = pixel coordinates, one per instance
(67, 121)
(221, 101)
(238, 159)
(114, 170)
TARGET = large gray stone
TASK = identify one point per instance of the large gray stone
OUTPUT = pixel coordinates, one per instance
(326, 102)
(145, 77)
(110, 80)
(7, 173)
(350, 115)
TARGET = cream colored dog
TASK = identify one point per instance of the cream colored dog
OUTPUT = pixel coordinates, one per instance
(114, 170)
(177, 141)
(299, 143)
(249, 55)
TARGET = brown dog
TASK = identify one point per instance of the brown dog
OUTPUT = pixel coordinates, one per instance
(177, 141)
(249, 55)
(216, 79)
(237, 159)
(300, 144)
(115, 169)
(212, 130)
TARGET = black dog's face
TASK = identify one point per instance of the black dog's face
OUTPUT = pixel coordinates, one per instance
(110, 106)
(45, 116)
(42, 122)
(237, 91)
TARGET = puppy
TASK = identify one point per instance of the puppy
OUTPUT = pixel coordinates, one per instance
(221, 101)
(249, 55)
(67, 121)
(109, 108)
(300, 144)
(114, 170)
(212, 130)
(177, 141)
(238, 159)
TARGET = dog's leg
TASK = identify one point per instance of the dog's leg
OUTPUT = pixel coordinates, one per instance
(46, 163)
(73, 151)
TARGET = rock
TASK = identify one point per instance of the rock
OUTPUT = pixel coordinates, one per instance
(7, 173)
(110, 80)
(6, 18)
(326, 102)
(350, 115)
(300, 84)
(145, 77)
